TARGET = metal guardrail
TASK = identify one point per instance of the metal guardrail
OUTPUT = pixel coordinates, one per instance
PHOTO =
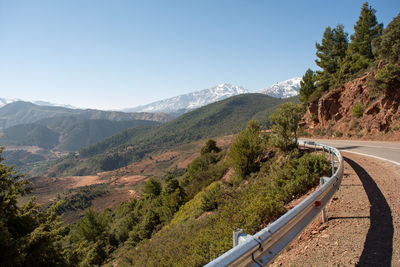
(264, 246)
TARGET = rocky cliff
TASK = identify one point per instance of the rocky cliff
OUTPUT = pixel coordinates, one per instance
(334, 114)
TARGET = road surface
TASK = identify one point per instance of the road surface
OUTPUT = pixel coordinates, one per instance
(363, 227)
(389, 151)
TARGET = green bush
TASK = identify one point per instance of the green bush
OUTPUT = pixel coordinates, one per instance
(358, 110)
(338, 134)
(245, 150)
(210, 146)
(194, 240)
(388, 78)
(284, 125)
(152, 188)
(209, 198)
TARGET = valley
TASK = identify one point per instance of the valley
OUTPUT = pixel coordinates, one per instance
(165, 183)
(118, 185)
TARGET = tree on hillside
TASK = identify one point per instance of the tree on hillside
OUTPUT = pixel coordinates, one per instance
(245, 150)
(307, 86)
(360, 52)
(28, 236)
(210, 146)
(152, 188)
(387, 46)
(284, 125)
(330, 52)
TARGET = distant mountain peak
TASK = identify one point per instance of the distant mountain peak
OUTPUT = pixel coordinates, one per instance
(283, 89)
(5, 101)
(192, 100)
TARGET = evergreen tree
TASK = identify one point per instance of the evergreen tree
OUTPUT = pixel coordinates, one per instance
(330, 52)
(387, 46)
(284, 128)
(28, 236)
(210, 146)
(307, 86)
(360, 52)
(245, 150)
(152, 188)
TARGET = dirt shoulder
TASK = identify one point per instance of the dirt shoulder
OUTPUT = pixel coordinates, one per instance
(363, 225)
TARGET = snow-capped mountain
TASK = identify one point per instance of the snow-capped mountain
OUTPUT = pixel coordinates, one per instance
(192, 100)
(283, 89)
(5, 101)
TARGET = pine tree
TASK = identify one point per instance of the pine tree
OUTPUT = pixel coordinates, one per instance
(28, 236)
(210, 146)
(245, 150)
(307, 86)
(284, 127)
(360, 54)
(387, 46)
(152, 188)
(330, 52)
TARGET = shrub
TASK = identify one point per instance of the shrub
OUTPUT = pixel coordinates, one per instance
(358, 110)
(210, 146)
(285, 122)
(152, 187)
(319, 131)
(338, 134)
(388, 78)
(245, 150)
(209, 198)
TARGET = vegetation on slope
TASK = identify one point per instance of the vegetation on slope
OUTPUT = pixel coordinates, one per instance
(65, 133)
(255, 195)
(356, 92)
(184, 220)
(340, 60)
(25, 112)
(222, 118)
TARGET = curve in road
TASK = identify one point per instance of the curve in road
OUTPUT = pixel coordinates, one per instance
(388, 151)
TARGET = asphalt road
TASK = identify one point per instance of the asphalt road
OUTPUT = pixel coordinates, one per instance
(389, 151)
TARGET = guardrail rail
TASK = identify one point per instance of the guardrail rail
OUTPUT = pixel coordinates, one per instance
(264, 246)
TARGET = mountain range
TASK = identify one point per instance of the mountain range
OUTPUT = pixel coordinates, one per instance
(180, 104)
(225, 117)
(5, 101)
(26, 112)
(283, 89)
(186, 102)
(193, 100)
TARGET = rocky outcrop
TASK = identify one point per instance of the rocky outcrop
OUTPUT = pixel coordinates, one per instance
(332, 114)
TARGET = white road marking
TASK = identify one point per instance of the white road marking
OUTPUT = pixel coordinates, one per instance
(372, 156)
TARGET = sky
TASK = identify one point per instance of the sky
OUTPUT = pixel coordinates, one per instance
(120, 54)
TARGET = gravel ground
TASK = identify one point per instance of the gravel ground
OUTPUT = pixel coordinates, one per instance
(363, 227)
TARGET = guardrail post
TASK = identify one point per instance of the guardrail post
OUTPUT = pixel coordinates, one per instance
(236, 234)
(239, 237)
(333, 163)
(323, 213)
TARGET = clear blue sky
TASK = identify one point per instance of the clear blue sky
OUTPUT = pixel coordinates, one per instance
(119, 54)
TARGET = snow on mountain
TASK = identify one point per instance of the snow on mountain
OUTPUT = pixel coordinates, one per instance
(5, 101)
(283, 89)
(192, 100)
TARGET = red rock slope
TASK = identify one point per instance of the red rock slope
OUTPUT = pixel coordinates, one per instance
(332, 114)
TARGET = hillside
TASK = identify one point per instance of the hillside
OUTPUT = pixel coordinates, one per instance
(352, 111)
(65, 133)
(25, 112)
(217, 119)
(356, 94)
